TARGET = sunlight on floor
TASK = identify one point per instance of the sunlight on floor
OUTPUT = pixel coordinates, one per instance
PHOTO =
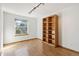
(8, 47)
(12, 50)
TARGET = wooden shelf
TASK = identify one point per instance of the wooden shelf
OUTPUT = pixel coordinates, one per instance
(51, 34)
(50, 30)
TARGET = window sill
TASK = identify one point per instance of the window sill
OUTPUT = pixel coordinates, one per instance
(21, 34)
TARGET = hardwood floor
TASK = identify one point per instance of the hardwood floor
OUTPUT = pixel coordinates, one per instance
(35, 47)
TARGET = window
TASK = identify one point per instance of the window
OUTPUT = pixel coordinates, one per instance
(21, 27)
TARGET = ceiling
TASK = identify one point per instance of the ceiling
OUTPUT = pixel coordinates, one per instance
(24, 8)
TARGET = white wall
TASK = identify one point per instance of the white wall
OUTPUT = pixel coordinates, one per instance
(39, 28)
(68, 27)
(9, 28)
(1, 26)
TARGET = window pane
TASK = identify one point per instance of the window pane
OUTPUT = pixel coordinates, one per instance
(21, 26)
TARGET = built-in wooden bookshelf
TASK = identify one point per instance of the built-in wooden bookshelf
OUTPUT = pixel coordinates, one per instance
(50, 30)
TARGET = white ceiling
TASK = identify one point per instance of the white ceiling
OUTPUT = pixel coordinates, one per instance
(24, 8)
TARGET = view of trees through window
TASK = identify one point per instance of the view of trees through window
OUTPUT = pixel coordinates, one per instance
(21, 26)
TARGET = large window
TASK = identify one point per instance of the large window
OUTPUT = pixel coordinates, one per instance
(21, 27)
